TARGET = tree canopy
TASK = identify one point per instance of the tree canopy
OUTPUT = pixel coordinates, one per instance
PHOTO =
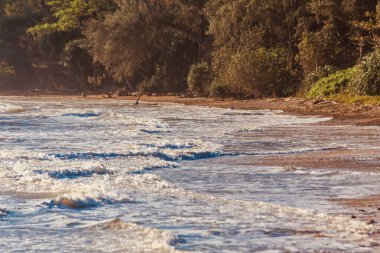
(248, 47)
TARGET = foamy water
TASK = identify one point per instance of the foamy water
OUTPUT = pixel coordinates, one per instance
(108, 176)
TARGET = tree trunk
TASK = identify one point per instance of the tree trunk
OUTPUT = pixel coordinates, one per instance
(138, 99)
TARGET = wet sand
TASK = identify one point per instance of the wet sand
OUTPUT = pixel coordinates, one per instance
(349, 160)
(366, 208)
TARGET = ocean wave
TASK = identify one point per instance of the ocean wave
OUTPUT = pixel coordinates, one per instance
(150, 168)
(162, 154)
(9, 108)
(150, 238)
(290, 151)
(132, 120)
(154, 131)
(171, 145)
(72, 174)
(4, 212)
(82, 115)
(274, 218)
(89, 178)
(107, 236)
(81, 201)
(326, 225)
(16, 154)
(178, 146)
(90, 156)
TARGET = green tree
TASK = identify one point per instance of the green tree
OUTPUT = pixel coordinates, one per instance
(242, 27)
(149, 42)
(366, 80)
(259, 73)
(59, 39)
(319, 49)
(363, 32)
(70, 15)
(15, 17)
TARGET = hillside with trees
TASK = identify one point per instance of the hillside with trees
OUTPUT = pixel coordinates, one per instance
(240, 48)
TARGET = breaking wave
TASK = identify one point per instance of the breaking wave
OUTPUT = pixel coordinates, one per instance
(80, 201)
(72, 174)
(167, 156)
(9, 108)
(81, 115)
(73, 169)
(4, 212)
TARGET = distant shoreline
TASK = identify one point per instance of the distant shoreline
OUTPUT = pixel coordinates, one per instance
(342, 113)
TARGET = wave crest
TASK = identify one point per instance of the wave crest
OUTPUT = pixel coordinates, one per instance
(8, 108)
(79, 201)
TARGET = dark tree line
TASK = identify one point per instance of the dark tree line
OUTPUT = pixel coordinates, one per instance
(245, 48)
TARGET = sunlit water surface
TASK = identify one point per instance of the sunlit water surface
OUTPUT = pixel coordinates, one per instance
(108, 176)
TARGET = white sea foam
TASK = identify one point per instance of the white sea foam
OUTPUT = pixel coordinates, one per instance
(17, 154)
(109, 236)
(82, 201)
(93, 161)
(10, 108)
(296, 150)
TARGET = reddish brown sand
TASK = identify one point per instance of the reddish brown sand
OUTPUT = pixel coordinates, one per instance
(354, 114)
(367, 208)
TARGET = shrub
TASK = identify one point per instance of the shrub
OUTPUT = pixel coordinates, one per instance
(314, 77)
(260, 73)
(332, 84)
(199, 78)
(219, 90)
(367, 79)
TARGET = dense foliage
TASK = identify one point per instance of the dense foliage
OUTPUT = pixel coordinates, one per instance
(332, 84)
(366, 80)
(244, 48)
(310, 80)
(199, 78)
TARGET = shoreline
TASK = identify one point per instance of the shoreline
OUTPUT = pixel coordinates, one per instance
(366, 208)
(341, 113)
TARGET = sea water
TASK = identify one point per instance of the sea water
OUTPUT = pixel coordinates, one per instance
(82, 175)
